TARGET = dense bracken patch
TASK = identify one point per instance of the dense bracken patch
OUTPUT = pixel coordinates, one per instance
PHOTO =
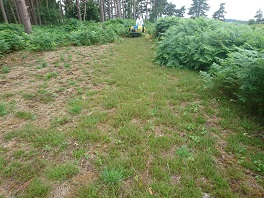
(71, 32)
(230, 55)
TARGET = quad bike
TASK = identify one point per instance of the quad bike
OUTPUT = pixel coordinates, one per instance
(137, 30)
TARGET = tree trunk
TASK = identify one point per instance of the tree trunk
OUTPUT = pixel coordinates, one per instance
(39, 18)
(13, 12)
(102, 10)
(34, 16)
(134, 9)
(109, 7)
(84, 13)
(61, 10)
(118, 6)
(17, 11)
(22, 8)
(78, 9)
(147, 10)
(3, 11)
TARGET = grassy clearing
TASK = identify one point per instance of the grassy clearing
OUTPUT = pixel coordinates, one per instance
(119, 126)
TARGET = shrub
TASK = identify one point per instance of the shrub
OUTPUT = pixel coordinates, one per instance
(241, 77)
(197, 44)
(163, 24)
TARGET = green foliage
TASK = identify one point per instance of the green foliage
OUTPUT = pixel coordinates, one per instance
(112, 177)
(232, 53)
(71, 32)
(163, 24)
(5, 69)
(3, 110)
(11, 38)
(38, 137)
(25, 115)
(184, 152)
(198, 8)
(196, 44)
(241, 76)
(62, 172)
(36, 188)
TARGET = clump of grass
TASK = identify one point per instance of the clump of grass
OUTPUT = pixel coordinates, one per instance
(72, 83)
(28, 96)
(36, 188)
(43, 65)
(76, 109)
(62, 172)
(3, 163)
(25, 170)
(112, 176)
(25, 115)
(184, 152)
(62, 57)
(66, 65)
(37, 136)
(44, 96)
(51, 75)
(3, 110)
(60, 121)
(5, 69)
(78, 153)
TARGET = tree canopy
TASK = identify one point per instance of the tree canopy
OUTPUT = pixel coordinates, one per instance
(220, 13)
(198, 8)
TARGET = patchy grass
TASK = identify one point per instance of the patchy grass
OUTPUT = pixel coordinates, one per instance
(104, 121)
(25, 115)
(61, 172)
(3, 110)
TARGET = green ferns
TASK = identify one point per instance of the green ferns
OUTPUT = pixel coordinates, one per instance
(241, 77)
(230, 56)
(72, 32)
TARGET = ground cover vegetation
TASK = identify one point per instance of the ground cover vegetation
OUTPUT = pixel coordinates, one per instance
(105, 121)
(229, 55)
(71, 32)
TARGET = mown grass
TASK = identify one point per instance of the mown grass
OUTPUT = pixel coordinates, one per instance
(145, 131)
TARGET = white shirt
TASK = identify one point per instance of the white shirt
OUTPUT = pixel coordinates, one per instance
(139, 22)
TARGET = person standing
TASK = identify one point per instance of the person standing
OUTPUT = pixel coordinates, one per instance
(139, 21)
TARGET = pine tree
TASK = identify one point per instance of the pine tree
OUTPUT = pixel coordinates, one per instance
(259, 16)
(198, 8)
(220, 13)
(170, 9)
(180, 12)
